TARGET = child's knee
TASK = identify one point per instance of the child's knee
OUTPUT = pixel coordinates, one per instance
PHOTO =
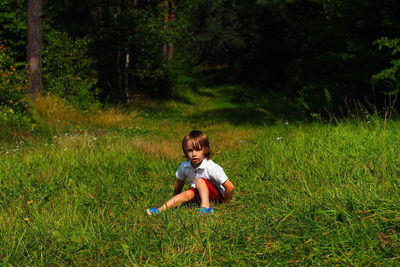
(188, 195)
(200, 181)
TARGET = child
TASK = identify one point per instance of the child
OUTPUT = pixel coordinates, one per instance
(207, 180)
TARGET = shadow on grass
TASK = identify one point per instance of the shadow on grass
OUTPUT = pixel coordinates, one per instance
(237, 116)
(233, 104)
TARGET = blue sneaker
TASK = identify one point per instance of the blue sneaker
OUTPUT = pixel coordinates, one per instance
(203, 210)
(152, 211)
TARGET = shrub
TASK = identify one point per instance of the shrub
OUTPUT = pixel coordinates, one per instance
(14, 106)
(183, 78)
(388, 79)
(68, 70)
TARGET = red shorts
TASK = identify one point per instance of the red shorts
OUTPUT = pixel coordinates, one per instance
(214, 194)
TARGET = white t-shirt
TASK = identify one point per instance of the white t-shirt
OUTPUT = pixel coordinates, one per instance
(208, 169)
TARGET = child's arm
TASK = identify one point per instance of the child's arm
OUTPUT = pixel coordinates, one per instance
(178, 186)
(228, 190)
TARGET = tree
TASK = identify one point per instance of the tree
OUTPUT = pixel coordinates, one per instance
(34, 47)
(169, 17)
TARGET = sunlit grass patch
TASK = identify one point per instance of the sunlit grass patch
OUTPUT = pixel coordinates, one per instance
(227, 137)
(164, 140)
(74, 141)
(61, 116)
(111, 117)
(157, 149)
(55, 111)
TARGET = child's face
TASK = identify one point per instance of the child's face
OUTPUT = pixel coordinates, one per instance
(195, 156)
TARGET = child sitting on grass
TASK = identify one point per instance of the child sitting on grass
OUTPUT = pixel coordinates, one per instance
(208, 181)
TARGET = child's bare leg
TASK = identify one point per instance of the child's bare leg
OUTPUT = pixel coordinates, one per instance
(177, 200)
(203, 192)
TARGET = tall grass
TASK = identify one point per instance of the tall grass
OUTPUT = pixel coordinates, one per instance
(306, 194)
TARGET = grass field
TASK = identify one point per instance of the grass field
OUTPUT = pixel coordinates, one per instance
(306, 193)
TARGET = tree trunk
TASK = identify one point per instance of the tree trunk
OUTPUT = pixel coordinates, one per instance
(127, 53)
(34, 47)
(169, 15)
(172, 18)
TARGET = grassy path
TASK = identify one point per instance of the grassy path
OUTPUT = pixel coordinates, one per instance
(306, 194)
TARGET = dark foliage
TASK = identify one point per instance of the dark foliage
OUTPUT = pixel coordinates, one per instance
(326, 55)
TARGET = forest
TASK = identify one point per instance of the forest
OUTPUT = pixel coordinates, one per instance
(330, 57)
(299, 99)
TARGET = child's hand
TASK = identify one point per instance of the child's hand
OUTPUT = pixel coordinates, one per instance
(229, 187)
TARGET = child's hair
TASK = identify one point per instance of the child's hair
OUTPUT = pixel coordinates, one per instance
(197, 140)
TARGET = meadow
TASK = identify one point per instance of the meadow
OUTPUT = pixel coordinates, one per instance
(306, 193)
